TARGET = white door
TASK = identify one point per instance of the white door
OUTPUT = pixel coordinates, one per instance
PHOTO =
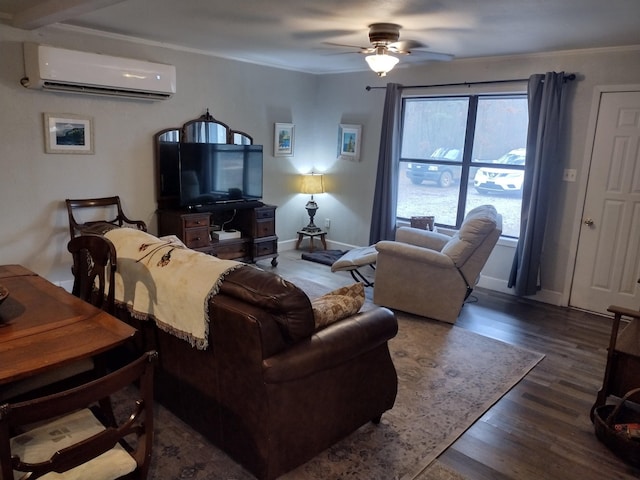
(608, 256)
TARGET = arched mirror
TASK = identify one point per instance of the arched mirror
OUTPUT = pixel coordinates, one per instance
(240, 138)
(204, 129)
(167, 153)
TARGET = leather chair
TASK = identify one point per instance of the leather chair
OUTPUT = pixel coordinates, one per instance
(109, 204)
(431, 274)
(60, 433)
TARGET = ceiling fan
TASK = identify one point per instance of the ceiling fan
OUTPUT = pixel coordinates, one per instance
(385, 40)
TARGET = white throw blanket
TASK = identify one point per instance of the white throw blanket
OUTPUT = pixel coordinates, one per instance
(165, 281)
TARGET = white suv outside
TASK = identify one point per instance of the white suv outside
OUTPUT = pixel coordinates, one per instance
(500, 180)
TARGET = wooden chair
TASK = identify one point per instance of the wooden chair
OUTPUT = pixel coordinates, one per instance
(110, 204)
(94, 262)
(82, 441)
(622, 372)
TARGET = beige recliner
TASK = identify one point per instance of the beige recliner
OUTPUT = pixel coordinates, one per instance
(431, 274)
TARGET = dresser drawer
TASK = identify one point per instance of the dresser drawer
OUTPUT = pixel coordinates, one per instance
(232, 250)
(268, 212)
(265, 247)
(194, 221)
(265, 228)
(196, 237)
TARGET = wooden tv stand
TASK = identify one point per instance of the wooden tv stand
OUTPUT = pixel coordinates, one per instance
(255, 221)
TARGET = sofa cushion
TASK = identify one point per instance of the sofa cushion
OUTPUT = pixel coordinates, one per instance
(289, 305)
(337, 305)
(478, 223)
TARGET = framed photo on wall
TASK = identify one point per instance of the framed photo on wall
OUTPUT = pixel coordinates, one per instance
(349, 142)
(68, 133)
(283, 140)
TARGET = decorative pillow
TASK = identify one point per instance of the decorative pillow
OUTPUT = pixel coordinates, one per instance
(338, 304)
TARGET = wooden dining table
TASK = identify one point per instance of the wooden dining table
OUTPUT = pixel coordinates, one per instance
(43, 327)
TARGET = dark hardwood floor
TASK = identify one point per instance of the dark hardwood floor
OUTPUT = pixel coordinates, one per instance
(541, 428)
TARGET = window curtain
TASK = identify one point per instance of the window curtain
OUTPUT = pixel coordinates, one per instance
(383, 216)
(546, 106)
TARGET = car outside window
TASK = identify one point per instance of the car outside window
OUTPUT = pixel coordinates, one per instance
(459, 152)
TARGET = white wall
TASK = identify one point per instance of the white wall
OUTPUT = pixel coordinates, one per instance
(33, 185)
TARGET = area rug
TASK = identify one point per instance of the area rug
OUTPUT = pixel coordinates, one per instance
(447, 378)
(325, 257)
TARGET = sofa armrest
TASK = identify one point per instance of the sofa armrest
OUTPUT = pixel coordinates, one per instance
(422, 238)
(332, 346)
(411, 253)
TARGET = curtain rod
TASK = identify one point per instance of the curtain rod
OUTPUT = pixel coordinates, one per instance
(568, 77)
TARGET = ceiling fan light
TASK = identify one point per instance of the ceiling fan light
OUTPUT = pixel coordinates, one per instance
(381, 64)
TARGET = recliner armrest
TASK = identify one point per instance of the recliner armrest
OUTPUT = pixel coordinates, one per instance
(412, 253)
(422, 238)
(332, 346)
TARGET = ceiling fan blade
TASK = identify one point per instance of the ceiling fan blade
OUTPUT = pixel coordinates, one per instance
(435, 56)
(358, 49)
(403, 46)
(354, 52)
(345, 45)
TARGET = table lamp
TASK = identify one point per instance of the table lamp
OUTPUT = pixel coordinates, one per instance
(311, 183)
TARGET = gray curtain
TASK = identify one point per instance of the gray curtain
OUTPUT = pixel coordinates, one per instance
(383, 216)
(546, 106)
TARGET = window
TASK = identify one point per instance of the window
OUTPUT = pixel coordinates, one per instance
(459, 152)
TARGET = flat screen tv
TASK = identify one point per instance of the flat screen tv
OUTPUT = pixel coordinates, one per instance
(213, 173)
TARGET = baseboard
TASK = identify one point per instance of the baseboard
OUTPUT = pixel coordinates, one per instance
(500, 285)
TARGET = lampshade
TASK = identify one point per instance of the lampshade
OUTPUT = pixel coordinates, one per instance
(312, 183)
(381, 63)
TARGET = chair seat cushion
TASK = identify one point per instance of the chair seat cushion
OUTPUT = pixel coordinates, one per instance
(97, 228)
(40, 443)
(337, 305)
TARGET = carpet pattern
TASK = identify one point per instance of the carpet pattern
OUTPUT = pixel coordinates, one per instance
(447, 378)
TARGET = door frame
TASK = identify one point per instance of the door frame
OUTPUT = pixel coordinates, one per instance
(598, 92)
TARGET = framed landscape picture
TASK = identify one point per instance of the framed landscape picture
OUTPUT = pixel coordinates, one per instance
(349, 142)
(283, 140)
(68, 133)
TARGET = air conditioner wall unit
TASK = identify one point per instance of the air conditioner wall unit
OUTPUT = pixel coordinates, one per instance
(61, 70)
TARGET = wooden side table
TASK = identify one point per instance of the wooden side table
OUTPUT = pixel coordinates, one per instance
(312, 235)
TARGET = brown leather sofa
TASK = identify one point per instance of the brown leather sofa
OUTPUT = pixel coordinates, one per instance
(268, 390)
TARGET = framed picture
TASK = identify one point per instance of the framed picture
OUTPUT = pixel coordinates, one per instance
(68, 133)
(283, 140)
(349, 142)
